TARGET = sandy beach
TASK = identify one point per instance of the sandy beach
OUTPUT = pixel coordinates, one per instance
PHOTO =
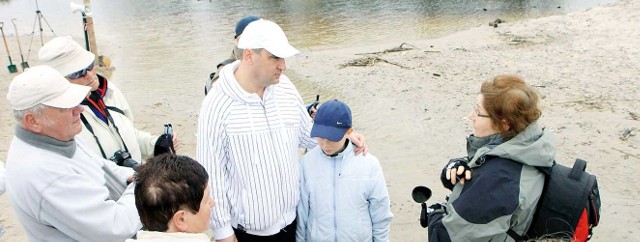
(410, 104)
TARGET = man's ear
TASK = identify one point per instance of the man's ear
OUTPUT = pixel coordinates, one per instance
(178, 223)
(247, 55)
(32, 123)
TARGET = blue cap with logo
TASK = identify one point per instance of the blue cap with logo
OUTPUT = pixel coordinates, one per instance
(332, 121)
(243, 24)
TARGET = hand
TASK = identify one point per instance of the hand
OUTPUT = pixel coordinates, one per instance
(231, 238)
(176, 141)
(312, 109)
(358, 140)
(458, 169)
(131, 178)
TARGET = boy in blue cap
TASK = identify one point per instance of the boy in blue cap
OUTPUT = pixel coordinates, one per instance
(343, 197)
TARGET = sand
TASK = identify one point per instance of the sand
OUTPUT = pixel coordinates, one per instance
(584, 64)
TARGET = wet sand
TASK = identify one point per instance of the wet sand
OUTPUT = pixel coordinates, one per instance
(584, 64)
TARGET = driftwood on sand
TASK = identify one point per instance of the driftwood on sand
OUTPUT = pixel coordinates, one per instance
(369, 61)
(395, 49)
(373, 58)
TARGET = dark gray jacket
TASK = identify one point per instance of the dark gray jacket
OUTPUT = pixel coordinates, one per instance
(502, 193)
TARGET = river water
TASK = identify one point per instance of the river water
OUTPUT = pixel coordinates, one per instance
(178, 42)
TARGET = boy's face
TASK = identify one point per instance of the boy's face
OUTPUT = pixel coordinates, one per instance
(199, 222)
(330, 147)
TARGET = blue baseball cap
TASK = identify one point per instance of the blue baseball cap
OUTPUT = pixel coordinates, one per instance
(243, 24)
(332, 121)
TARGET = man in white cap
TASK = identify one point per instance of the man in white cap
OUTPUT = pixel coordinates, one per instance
(107, 117)
(249, 130)
(61, 190)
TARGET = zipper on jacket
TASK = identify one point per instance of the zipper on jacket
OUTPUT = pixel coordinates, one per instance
(335, 199)
(275, 153)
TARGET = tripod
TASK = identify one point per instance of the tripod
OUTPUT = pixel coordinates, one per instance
(38, 20)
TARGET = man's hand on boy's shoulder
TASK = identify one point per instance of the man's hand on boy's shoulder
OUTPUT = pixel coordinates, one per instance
(358, 140)
(312, 111)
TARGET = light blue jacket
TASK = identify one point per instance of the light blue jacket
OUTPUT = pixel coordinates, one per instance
(342, 198)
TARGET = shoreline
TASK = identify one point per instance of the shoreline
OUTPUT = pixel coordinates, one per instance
(584, 64)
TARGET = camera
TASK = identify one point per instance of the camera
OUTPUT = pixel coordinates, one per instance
(164, 143)
(313, 105)
(421, 194)
(123, 158)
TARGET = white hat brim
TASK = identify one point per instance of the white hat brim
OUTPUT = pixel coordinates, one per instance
(285, 51)
(72, 97)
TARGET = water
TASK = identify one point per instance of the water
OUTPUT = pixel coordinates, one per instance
(179, 42)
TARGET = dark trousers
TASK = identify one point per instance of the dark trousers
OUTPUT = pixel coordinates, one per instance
(288, 234)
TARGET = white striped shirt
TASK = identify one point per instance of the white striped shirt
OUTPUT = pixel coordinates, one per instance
(249, 146)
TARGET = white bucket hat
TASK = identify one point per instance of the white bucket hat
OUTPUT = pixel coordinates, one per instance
(264, 34)
(65, 55)
(44, 85)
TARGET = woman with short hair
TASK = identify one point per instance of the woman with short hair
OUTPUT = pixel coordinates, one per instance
(496, 186)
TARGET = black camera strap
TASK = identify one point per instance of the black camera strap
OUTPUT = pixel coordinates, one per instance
(106, 110)
(88, 126)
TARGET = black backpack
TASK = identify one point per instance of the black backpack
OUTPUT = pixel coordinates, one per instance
(569, 206)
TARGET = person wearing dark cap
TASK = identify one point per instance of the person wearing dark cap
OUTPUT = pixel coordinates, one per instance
(343, 197)
(236, 54)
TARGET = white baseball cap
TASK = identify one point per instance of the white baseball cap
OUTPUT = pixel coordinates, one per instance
(44, 85)
(265, 34)
(65, 55)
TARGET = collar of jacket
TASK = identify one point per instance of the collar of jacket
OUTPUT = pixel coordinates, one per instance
(534, 146)
(474, 143)
(66, 149)
(230, 86)
(349, 150)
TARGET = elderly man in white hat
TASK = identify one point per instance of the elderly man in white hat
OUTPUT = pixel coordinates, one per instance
(249, 130)
(61, 190)
(107, 117)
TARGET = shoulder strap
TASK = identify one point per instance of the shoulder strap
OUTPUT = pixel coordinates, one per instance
(117, 130)
(578, 168)
(515, 236)
(88, 126)
(112, 108)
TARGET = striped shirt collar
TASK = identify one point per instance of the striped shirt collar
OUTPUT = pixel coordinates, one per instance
(230, 85)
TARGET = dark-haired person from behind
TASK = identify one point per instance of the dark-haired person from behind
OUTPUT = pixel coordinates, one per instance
(495, 187)
(172, 197)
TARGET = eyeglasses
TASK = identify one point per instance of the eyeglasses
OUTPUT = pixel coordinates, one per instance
(477, 111)
(80, 73)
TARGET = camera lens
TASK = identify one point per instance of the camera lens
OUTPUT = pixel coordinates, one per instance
(123, 158)
(131, 163)
(421, 194)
